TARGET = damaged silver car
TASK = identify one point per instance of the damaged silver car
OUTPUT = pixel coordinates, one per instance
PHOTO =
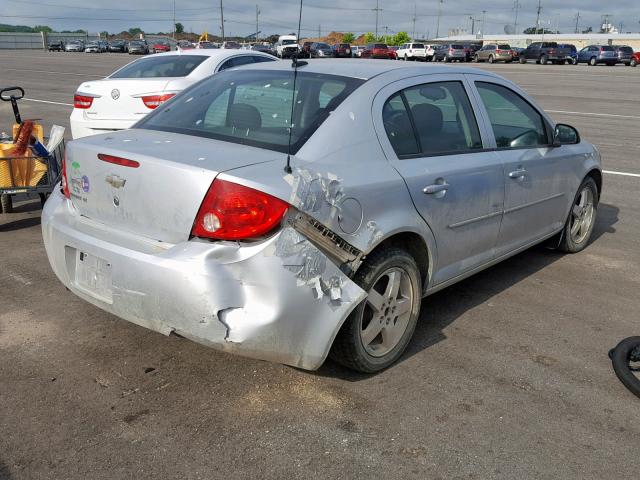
(292, 220)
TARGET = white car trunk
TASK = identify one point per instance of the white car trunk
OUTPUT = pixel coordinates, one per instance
(158, 199)
(120, 99)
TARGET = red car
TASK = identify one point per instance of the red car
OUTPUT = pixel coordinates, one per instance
(378, 50)
(635, 59)
(161, 46)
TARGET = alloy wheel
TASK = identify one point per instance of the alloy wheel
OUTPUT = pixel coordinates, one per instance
(387, 312)
(582, 216)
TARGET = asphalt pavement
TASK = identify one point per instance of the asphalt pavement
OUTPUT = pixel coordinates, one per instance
(507, 375)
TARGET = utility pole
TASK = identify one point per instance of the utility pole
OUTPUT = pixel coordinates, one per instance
(386, 29)
(257, 26)
(484, 13)
(577, 20)
(516, 7)
(473, 26)
(538, 16)
(377, 9)
(222, 20)
(319, 35)
(440, 2)
(413, 34)
(174, 19)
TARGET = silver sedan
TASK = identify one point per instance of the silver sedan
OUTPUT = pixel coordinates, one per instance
(292, 218)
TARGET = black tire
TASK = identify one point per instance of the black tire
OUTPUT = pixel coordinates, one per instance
(43, 198)
(543, 60)
(491, 60)
(567, 242)
(593, 62)
(447, 59)
(522, 60)
(626, 351)
(633, 63)
(348, 348)
(6, 203)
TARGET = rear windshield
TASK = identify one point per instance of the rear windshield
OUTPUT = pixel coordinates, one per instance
(157, 67)
(253, 107)
(504, 46)
(322, 45)
(550, 45)
(379, 45)
(418, 45)
(607, 48)
(289, 42)
(626, 49)
(457, 47)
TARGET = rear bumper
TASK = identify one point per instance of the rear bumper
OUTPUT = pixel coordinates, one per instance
(83, 127)
(266, 301)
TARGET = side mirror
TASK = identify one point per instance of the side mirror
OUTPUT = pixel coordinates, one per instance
(565, 135)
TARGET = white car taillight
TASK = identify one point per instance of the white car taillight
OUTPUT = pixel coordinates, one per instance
(153, 101)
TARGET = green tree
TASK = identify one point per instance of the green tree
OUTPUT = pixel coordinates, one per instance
(179, 28)
(42, 28)
(348, 37)
(135, 31)
(400, 38)
(369, 37)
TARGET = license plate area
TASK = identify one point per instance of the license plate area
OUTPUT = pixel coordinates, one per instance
(93, 276)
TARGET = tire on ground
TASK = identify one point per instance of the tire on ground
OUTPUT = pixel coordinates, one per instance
(348, 348)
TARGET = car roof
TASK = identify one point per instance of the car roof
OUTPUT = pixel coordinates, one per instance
(218, 53)
(363, 68)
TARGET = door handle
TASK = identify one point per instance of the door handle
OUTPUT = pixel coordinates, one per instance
(516, 174)
(437, 188)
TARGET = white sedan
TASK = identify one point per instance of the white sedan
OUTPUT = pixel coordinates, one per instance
(127, 95)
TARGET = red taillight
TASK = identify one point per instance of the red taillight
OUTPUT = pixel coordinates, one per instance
(234, 212)
(82, 101)
(63, 181)
(451, 50)
(152, 101)
(125, 162)
(499, 52)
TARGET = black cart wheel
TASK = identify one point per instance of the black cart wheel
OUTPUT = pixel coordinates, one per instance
(6, 203)
(625, 358)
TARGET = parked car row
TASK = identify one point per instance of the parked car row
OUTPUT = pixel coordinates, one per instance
(115, 46)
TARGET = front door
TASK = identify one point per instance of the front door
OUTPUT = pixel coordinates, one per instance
(535, 173)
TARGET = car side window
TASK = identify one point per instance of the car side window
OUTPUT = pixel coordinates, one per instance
(515, 123)
(236, 62)
(397, 124)
(257, 59)
(440, 117)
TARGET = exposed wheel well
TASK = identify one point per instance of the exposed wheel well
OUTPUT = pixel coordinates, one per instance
(597, 177)
(415, 246)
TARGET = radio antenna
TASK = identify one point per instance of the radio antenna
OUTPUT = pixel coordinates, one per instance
(295, 63)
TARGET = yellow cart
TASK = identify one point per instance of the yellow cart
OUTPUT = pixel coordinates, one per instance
(32, 172)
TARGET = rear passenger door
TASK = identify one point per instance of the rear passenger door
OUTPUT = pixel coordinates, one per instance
(536, 174)
(428, 130)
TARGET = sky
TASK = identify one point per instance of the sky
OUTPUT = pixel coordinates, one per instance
(357, 16)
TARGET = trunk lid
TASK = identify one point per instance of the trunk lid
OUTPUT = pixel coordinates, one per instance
(120, 99)
(160, 198)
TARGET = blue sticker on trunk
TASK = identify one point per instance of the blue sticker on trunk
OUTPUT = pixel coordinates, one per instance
(85, 184)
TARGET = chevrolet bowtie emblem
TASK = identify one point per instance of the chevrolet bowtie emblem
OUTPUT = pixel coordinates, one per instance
(115, 181)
